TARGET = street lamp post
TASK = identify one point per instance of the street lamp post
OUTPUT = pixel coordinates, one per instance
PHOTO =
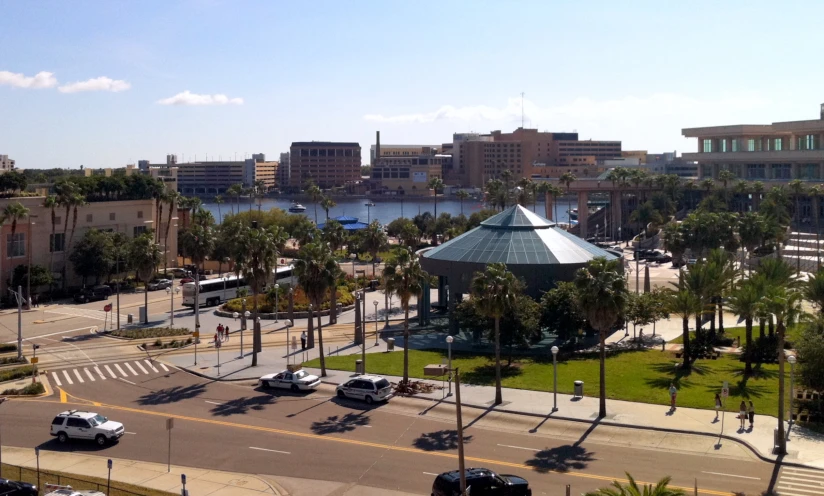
(554, 350)
(449, 340)
(246, 315)
(459, 422)
(277, 293)
(171, 294)
(791, 359)
(375, 302)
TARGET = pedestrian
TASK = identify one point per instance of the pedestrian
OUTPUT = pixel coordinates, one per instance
(220, 330)
(303, 340)
(226, 334)
(717, 405)
(751, 413)
(742, 413)
(673, 393)
(217, 339)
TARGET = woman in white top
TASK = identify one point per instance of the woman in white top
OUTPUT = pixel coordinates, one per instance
(742, 414)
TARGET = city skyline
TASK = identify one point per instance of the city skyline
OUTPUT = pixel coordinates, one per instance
(104, 85)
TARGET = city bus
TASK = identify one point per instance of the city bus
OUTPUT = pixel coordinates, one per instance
(219, 290)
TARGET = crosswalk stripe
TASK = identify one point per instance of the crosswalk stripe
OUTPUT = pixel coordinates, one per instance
(163, 367)
(91, 377)
(124, 374)
(130, 368)
(783, 490)
(791, 470)
(110, 372)
(56, 379)
(68, 379)
(102, 377)
(815, 485)
(141, 368)
(78, 376)
(151, 366)
(802, 478)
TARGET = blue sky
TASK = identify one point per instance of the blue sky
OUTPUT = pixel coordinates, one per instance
(274, 72)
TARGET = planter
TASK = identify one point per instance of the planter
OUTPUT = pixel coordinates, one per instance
(220, 312)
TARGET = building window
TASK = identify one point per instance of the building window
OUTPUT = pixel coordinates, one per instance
(734, 145)
(140, 214)
(724, 145)
(138, 230)
(111, 215)
(778, 144)
(57, 242)
(707, 145)
(808, 142)
(781, 171)
(756, 171)
(89, 217)
(16, 247)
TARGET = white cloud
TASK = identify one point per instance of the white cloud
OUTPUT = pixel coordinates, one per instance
(102, 83)
(18, 80)
(189, 98)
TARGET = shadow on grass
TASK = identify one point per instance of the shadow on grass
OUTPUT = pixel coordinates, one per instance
(485, 374)
(673, 373)
(240, 406)
(338, 424)
(444, 440)
(172, 395)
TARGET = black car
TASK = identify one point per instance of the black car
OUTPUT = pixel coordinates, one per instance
(646, 254)
(96, 293)
(662, 258)
(482, 481)
(14, 488)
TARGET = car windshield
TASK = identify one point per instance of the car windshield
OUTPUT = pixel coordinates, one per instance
(300, 374)
(98, 420)
(383, 383)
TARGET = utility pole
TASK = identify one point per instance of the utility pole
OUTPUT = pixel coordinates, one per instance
(461, 468)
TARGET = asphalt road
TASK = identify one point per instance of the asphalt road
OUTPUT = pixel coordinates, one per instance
(400, 445)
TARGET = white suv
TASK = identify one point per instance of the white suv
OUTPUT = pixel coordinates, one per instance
(369, 388)
(75, 424)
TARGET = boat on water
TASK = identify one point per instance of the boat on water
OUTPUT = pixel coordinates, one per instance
(370, 204)
(297, 208)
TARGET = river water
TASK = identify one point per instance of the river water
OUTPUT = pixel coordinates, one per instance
(384, 211)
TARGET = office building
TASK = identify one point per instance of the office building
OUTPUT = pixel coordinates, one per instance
(402, 151)
(6, 164)
(328, 164)
(213, 177)
(407, 176)
(781, 151)
(284, 171)
(671, 163)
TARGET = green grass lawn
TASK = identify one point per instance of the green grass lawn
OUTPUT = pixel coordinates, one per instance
(642, 376)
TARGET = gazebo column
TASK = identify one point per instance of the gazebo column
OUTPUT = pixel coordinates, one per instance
(454, 299)
(583, 213)
(441, 291)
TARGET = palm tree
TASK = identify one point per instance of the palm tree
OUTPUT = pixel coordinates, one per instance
(527, 192)
(219, 202)
(775, 272)
(647, 216)
(374, 240)
(685, 304)
(144, 255)
(813, 290)
(235, 190)
(494, 292)
(404, 277)
(13, 212)
(77, 200)
(326, 203)
(496, 193)
(725, 176)
(723, 276)
(796, 187)
(631, 488)
(602, 294)
(556, 192)
(752, 230)
(742, 188)
(744, 301)
(462, 195)
(159, 195)
(334, 234)
(260, 256)
(173, 199)
(316, 271)
(315, 194)
(815, 194)
(436, 184)
(52, 203)
(567, 178)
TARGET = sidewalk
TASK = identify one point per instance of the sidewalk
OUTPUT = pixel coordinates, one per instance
(804, 446)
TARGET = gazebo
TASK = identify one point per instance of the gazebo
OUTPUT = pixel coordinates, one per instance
(533, 248)
(348, 223)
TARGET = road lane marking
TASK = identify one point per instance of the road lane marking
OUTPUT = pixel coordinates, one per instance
(130, 369)
(141, 368)
(150, 365)
(63, 396)
(213, 403)
(430, 473)
(91, 377)
(110, 371)
(102, 377)
(163, 366)
(132, 433)
(129, 382)
(518, 447)
(270, 450)
(68, 379)
(731, 475)
(124, 374)
(56, 379)
(369, 444)
(78, 376)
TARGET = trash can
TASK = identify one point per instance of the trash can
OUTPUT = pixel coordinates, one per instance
(390, 344)
(359, 366)
(579, 389)
(130, 319)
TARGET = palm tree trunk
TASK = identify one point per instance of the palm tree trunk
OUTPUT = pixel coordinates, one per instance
(685, 329)
(771, 326)
(761, 325)
(406, 343)
(720, 315)
(320, 344)
(146, 301)
(602, 352)
(749, 352)
(310, 341)
(498, 398)
(782, 441)
(255, 336)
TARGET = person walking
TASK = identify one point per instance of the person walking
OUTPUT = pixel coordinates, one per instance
(742, 413)
(751, 413)
(717, 405)
(226, 334)
(673, 393)
(303, 340)
(220, 331)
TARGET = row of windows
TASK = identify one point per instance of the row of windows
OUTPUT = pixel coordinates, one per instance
(16, 246)
(724, 145)
(324, 152)
(112, 216)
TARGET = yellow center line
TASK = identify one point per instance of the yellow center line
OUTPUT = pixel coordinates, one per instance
(368, 444)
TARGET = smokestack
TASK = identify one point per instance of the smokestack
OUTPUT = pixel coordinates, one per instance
(378, 140)
(822, 111)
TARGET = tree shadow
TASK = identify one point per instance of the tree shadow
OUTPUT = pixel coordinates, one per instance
(172, 394)
(485, 374)
(674, 374)
(338, 424)
(241, 406)
(561, 459)
(443, 440)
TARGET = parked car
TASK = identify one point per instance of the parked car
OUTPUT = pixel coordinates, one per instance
(481, 481)
(647, 254)
(74, 492)
(95, 293)
(299, 380)
(662, 258)
(15, 488)
(369, 388)
(159, 284)
(75, 424)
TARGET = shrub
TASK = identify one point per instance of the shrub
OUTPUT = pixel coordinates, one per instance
(31, 389)
(345, 298)
(16, 373)
(11, 360)
(158, 342)
(6, 347)
(189, 341)
(151, 332)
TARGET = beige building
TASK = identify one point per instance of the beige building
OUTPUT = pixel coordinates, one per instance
(33, 241)
(781, 151)
(407, 176)
(402, 151)
(6, 164)
(328, 164)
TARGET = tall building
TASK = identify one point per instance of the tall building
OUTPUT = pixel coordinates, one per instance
(781, 151)
(6, 164)
(328, 164)
(284, 171)
(402, 151)
(406, 175)
(213, 177)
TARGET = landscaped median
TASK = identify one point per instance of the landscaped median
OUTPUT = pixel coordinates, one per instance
(150, 332)
(8, 375)
(29, 475)
(641, 376)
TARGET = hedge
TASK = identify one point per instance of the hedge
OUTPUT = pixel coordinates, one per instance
(5, 347)
(15, 373)
(301, 302)
(151, 332)
(32, 389)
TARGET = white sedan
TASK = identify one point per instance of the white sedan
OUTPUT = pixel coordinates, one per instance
(299, 380)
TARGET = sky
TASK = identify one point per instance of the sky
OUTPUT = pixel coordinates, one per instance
(107, 83)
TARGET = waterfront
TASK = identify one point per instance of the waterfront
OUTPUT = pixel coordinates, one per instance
(383, 211)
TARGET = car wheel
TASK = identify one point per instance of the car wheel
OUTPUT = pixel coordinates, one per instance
(369, 400)
(100, 440)
(62, 437)
(295, 388)
(341, 394)
(265, 384)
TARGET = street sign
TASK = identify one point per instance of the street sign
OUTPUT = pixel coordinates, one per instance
(34, 360)
(107, 308)
(196, 334)
(170, 422)
(183, 478)
(725, 390)
(110, 464)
